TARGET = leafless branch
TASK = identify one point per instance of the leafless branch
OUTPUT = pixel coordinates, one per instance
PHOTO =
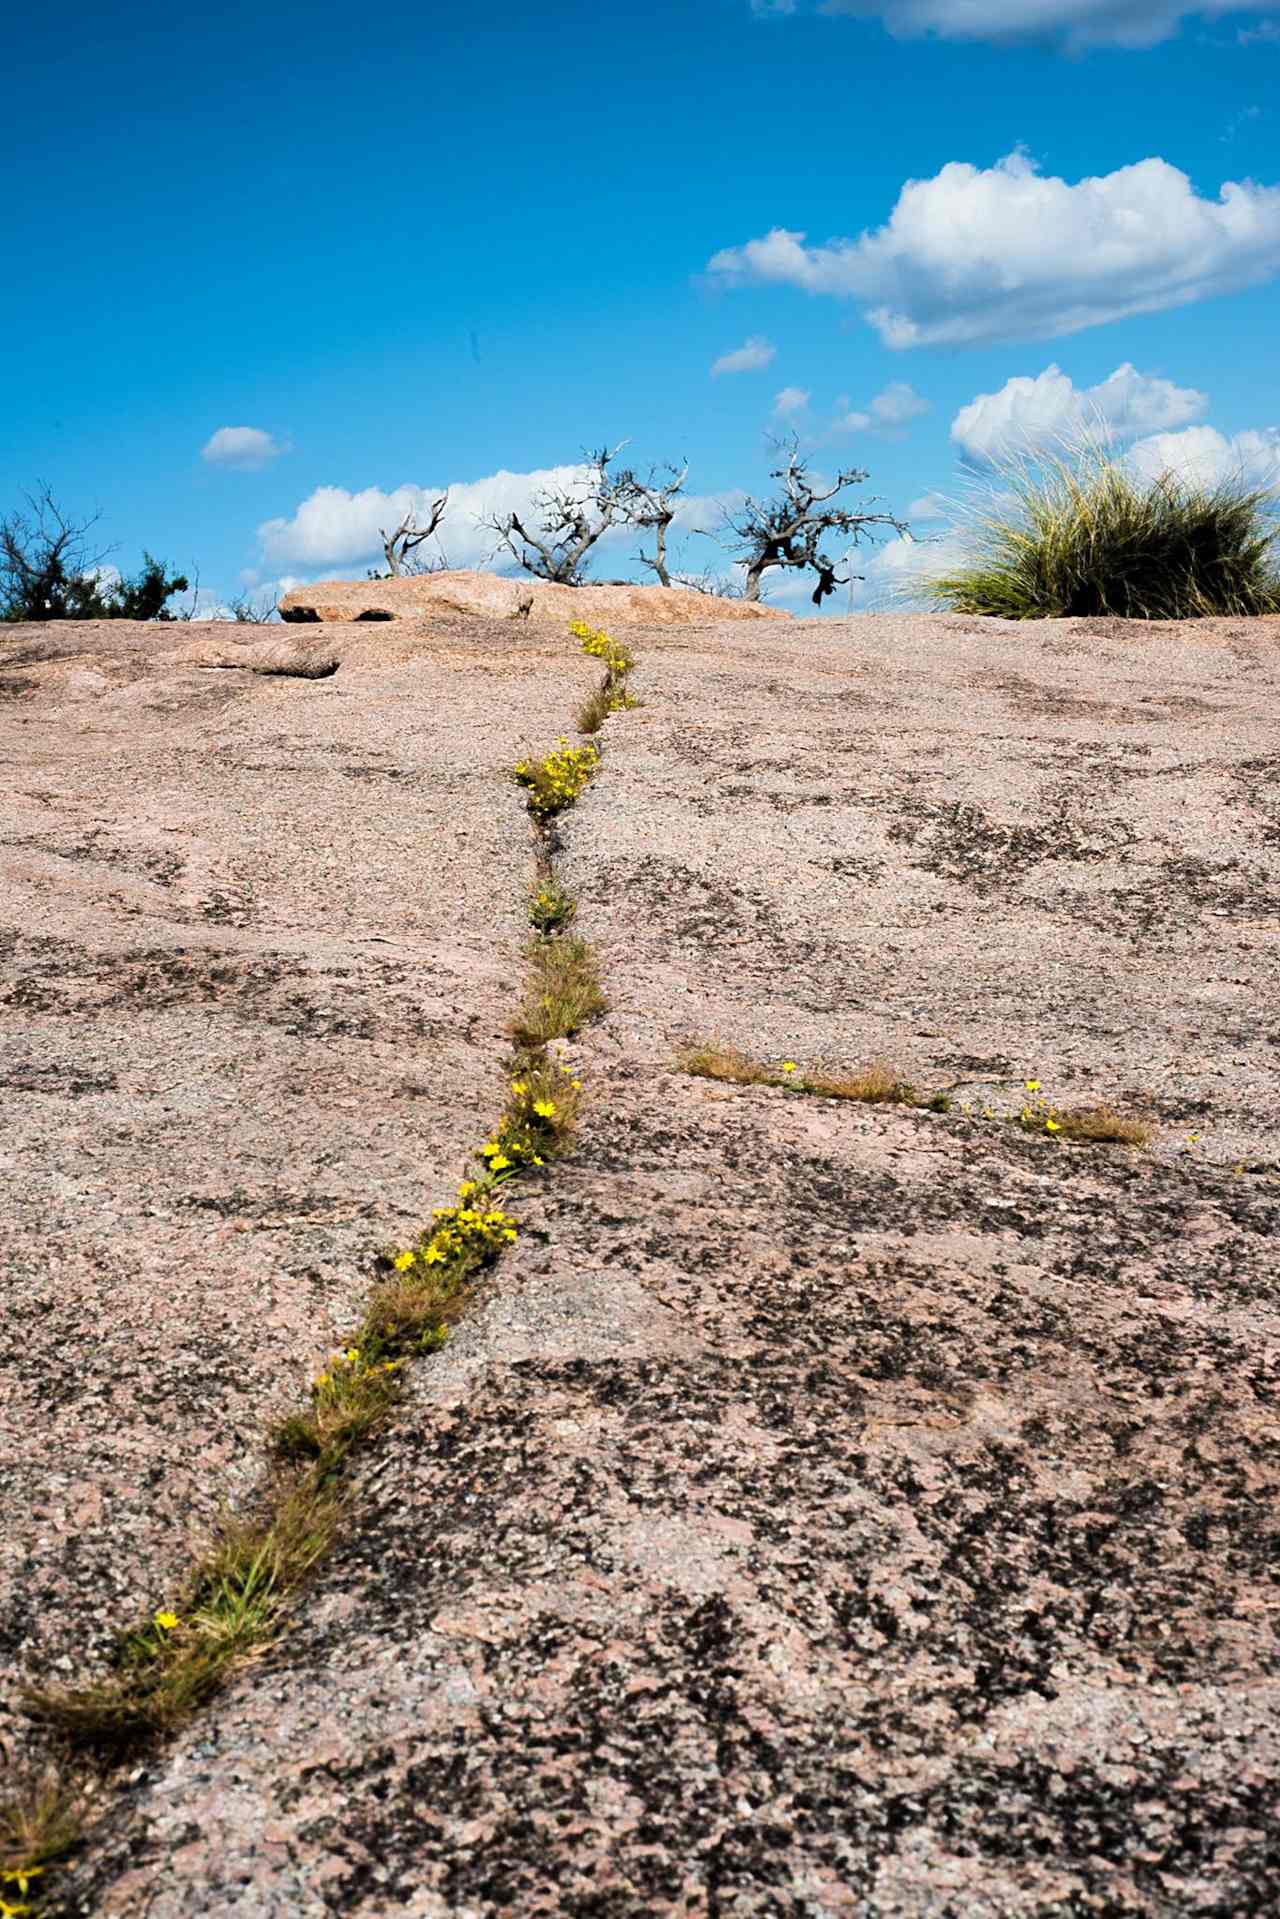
(789, 529)
(570, 521)
(408, 536)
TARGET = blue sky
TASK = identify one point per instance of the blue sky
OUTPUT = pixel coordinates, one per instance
(407, 252)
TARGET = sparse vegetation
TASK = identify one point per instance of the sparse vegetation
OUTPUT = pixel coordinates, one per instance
(238, 1594)
(551, 908)
(612, 695)
(555, 781)
(1095, 1124)
(879, 1085)
(1079, 534)
(232, 1607)
(564, 992)
(48, 571)
(40, 1822)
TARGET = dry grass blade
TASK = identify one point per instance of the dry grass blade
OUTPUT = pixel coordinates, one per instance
(1100, 1124)
(40, 1820)
(877, 1085)
(709, 1059)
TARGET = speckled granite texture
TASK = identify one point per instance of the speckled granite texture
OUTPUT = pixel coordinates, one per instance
(827, 1510)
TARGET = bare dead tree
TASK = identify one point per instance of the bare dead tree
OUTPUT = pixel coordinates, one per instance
(650, 504)
(409, 536)
(789, 529)
(570, 521)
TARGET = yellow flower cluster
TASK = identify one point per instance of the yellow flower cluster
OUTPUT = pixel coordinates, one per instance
(527, 1131)
(462, 1234)
(602, 646)
(556, 781)
(1037, 1116)
(347, 1368)
(21, 1877)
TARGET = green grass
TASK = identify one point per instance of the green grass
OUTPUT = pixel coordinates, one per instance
(1080, 535)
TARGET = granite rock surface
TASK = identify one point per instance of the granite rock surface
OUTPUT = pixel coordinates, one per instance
(827, 1509)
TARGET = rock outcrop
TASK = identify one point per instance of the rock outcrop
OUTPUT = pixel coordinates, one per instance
(496, 597)
(826, 1509)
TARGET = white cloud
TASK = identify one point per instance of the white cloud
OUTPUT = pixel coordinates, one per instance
(747, 358)
(246, 447)
(1002, 253)
(849, 420)
(1028, 414)
(1204, 457)
(332, 527)
(1072, 24)
(335, 528)
(1268, 34)
(791, 400)
(898, 403)
(894, 575)
(929, 506)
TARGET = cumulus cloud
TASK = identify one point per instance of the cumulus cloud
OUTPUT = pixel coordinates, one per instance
(985, 254)
(333, 527)
(1204, 457)
(750, 357)
(246, 447)
(791, 400)
(336, 528)
(1071, 24)
(1028, 414)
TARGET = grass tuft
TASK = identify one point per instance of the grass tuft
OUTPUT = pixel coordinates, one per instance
(876, 1085)
(41, 1820)
(1081, 534)
(233, 1607)
(564, 992)
(711, 1059)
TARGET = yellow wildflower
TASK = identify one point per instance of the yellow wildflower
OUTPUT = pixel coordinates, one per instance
(1033, 1086)
(1051, 1126)
(545, 1108)
(166, 1622)
(519, 1086)
(403, 1261)
(498, 1162)
(788, 1066)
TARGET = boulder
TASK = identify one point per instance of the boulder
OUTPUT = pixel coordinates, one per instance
(490, 595)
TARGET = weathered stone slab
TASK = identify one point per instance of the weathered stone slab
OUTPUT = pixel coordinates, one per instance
(832, 1509)
(491, 596)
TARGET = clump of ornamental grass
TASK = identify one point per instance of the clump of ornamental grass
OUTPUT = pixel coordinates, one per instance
(555, 781)
(40, 1821)
(562, 994)
(1097, 1125)
(1082, 533)
(233, 1606)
